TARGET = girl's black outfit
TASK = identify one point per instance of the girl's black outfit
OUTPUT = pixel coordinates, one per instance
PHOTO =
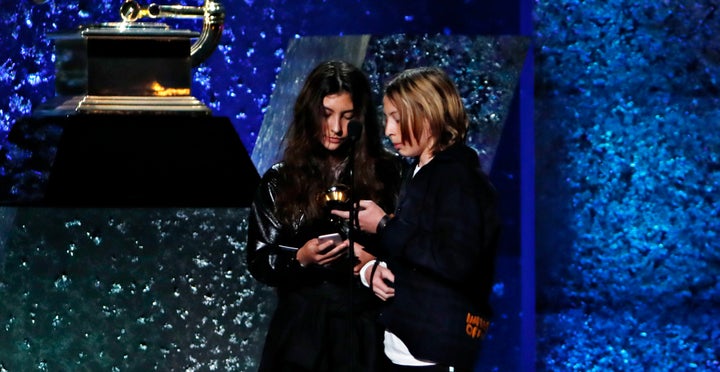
(441, 247)
(325, 319)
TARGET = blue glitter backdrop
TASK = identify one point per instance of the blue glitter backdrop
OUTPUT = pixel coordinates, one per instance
(628, 185)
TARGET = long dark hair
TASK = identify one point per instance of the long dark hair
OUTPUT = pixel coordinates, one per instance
(308, 165)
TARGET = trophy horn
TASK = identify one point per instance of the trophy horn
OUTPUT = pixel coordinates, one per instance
(212, 13)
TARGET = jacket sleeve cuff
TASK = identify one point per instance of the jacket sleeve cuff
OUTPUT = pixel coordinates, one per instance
(382, 224)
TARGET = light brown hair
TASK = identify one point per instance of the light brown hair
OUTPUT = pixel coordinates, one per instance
(428, 95)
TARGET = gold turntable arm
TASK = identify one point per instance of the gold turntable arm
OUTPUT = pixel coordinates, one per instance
(212, 13)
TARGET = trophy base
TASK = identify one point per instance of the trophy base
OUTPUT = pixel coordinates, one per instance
(91, 104)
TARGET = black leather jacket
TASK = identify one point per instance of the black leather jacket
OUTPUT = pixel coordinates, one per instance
(317, 306)
(270, 253)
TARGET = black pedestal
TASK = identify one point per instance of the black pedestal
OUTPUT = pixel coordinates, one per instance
(150, 160)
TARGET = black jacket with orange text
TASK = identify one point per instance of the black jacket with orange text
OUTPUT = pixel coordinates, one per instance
(441, 247)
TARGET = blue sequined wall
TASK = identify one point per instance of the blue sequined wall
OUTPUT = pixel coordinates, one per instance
(627, 125)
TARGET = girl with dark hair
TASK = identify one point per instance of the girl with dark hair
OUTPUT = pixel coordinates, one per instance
(325, 319)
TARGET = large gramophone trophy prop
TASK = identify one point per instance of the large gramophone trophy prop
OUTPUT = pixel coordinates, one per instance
(133, 66)
(132, 133)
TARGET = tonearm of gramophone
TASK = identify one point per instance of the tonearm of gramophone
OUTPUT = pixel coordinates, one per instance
(211, 12)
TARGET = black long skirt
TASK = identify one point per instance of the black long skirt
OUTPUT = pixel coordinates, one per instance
(325, 327)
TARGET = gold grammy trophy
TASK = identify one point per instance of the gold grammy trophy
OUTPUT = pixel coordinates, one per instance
(134, 67)
(336, 197)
